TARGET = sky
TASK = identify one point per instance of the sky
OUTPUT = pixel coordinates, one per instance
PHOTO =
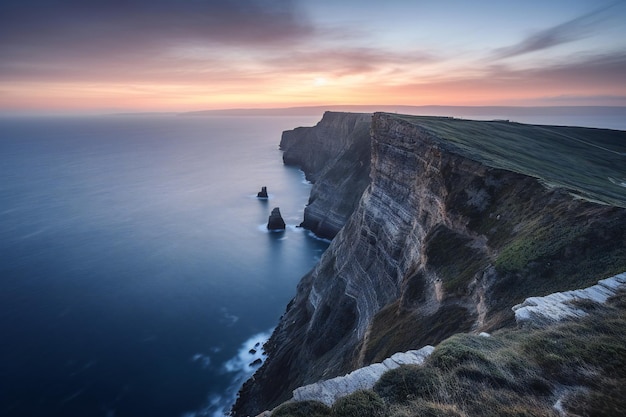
(186, 55)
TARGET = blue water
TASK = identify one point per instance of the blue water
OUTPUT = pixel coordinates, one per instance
(135, 269)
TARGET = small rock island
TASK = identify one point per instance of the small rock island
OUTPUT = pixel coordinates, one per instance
(276, 221)
(262, 193)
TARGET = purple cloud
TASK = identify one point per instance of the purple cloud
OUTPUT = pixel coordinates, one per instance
(566, 32)
(70, 28)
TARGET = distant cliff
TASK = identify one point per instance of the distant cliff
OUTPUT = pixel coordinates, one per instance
(335, 156)
(461, 221)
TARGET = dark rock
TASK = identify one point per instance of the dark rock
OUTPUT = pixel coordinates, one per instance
(276, 221)
(252, 351)
(262, 193)
(256, 362)
(335, 157)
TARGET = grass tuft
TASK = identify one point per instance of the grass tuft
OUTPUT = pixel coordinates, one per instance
(302, 409)
(360, 404)
(407, 383)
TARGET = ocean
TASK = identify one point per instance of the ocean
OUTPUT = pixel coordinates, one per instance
(137, 277)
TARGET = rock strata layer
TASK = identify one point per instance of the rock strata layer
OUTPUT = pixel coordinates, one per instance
(335, 157)
(440, 242)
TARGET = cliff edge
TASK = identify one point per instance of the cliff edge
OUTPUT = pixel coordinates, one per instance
(461, 221)
(335, 157)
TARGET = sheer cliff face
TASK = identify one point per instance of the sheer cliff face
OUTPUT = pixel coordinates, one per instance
(335, 156)
(438, 244)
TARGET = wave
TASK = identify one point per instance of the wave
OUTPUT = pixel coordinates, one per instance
(241, 367)
(204, 360)
(291, 227)
(304, 180)
(316, 237)
(228, 318)
(270, 196)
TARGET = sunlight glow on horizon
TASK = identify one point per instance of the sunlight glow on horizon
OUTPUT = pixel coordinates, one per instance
(297, 55)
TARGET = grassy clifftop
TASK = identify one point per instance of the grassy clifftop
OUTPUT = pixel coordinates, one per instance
(589, 162)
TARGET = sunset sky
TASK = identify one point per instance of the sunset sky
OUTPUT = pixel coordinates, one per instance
(184, 55)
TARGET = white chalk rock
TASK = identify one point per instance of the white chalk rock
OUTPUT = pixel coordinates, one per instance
(561, 305)
(330, 390)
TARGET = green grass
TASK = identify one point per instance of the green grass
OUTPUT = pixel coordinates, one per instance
(455, 261)
(587, 161)
(407, 383)
(537, 242)
(558, 250)
(422, 408)
(359, 404)
(396, 329)
(302, 409)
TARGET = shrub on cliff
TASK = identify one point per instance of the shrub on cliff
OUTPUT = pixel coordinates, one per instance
(460, 349)
(302, 409)
(360, 404)
(408, 382)
(421, 408)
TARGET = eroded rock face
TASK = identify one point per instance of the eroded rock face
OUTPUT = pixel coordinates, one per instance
(335, 156)
(438, 244)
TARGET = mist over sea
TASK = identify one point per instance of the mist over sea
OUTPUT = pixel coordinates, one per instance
(135, 269)
(136, 274)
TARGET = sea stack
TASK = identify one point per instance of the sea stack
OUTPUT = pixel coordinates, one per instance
(276, 221)
(262, 193)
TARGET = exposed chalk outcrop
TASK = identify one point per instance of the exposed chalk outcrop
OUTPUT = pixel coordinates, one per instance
(330, 390)
(562, 305)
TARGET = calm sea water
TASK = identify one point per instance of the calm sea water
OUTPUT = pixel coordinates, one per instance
(136, 273)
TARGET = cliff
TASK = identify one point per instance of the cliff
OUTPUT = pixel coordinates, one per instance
(335, 157)
(460, 222)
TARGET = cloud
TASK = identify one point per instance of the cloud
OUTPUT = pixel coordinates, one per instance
(209, 66)
(607, 69)
(585, 77)
(566, 32)
(139, 42)
(68, 29)
(348, 60)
